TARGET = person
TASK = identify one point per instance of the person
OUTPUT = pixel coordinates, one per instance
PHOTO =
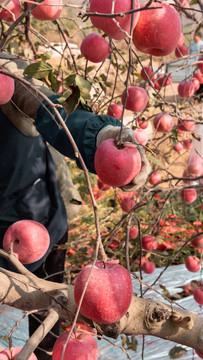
(28, 183)
(196, 46)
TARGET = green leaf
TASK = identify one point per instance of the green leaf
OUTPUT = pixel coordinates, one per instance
(54, 82)
(38, 70)
(72, 100)
(138, 75)
(70, 80)
(154, 160)
(83, 85)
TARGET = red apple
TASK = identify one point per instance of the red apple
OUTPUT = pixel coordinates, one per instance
(192, 263)
(107, 25)
(195, 165)
(198, 294)
(141, 136)
(102, 186)
(155, 178)
(157, 31)
(48, 10)
(178, 147)
(148, 267)
(147, 72)
(137, 98)
(199, 354)
(181, 40)
(200, 64)
(95, 48)
(186, 89)
(115, 110)
(164, 80)
(181, 50)
(127, 204)
(163, 122)
(108, 294)
(133, 232)
(149, 243)
(197, 242)
(116, 166)
(196, 83)
(199, 76)
(30, 240)
(188, 195)
(186, 124)
(187, 144)
(6, 354)
(14, 6)
(81, 346)
(8, 86)
(143, 124)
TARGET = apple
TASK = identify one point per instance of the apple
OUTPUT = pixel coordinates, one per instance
(187, 143)
(141, 136)
(186, 124)
(163, 122)
(29, 238)
(199, 354)
(188, 195)
(158, 30)
(181, 39)
(108, 294)
(48, 10)
(149, 243)
(196, 83)
(155, 178)
(115, 110)
(137, 98)
(95, 48)
(133, 232)
(178, 147)
(8, 85)
(186, 89)
(102, 186)
(197, 242)
(143, 124)
(127, 204)
(107, 25)
(80, 346)
(198, 294)
(6, 354)
(164, 80)
(199, 76)
(14, 6)
(200, 64)
(181, 50)
(147, 72)
(116, 166)
(195, 165)
(192, 263)
(148, 267)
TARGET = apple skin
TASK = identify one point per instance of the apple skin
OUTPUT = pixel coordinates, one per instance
(186, 89)
(196, 83)
(102, 186)
(149, 243)
(157, 31)
(155, 178)
(164, 80)
(137, 98)
(149, 71)
(195, 165)
(199, 76)
(133, 233)
(192, 263)
(7, 83)
(187, 143)
(116, 167)
(148, 267)
(181, 39)
(186, 124)
(15, 7)
(198, 295)
(30, 240)
(108, 26)
(81, 346)
(197, 242)
(181, 50)
(45, 12)
(178, 147)
(141, 136)
(163, 122)
(143, 124)
(127, 204)
(115, 110)
(108, 294)
(200, 64)
(6, 354)
(188, 195)
(95, 48)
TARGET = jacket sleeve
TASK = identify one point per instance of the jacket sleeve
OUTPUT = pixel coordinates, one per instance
(83, 125)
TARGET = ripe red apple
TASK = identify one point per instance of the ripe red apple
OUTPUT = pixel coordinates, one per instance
(133, 232)
(102, 186)
(195, 165)
(115, 110)
(181, 40)
(81, 346)
(116, 166)
(95, 48)
(199, 76)
(198, 294)
(108, 294)
(14, 6)
(8, 86)
(127, 204)
(155, 178)
(199, 354)
(30, 240)
(181, 50)
(149, 243)
(197, 242)
(178, 147)
(147, 70)
(137, 98)
(143, 124)
(141, 136)
(157, 31)
(164, 80)
(186, 89)
(186, 124)
(107, 25)
(200, 64)
(6, 354)
(188, 195)
(148, 267)
(51, 11)
(187, 144)
(196, 83)
(163, 122)
(192, 263)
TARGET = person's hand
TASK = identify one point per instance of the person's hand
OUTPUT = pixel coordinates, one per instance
(127, 135)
